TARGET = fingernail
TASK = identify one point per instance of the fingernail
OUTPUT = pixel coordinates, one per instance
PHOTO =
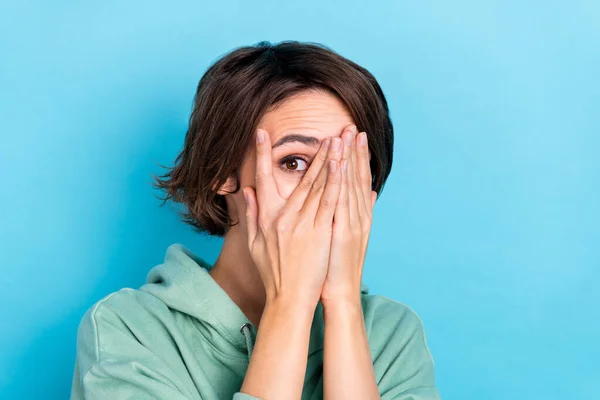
(345, 165)
(245, 196)
(335, 143)
(363, 138)
(326, 143)
(353, 129)
(260, 136)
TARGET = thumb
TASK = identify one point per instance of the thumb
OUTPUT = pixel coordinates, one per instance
(251, 213)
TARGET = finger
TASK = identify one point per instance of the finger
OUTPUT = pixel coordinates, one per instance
(330, 197)
(361, 196)
(342, 209)
(251, 214)
(363, 170)
(266, 190)
(313, 200)
(296, 200)
(352, 200)
(361, 204)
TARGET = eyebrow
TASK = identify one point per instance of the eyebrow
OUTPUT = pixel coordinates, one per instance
(296, 137)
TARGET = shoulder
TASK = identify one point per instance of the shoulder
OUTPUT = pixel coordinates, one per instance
(385, 305)
(382, 312)
(393, 325)
(112, 322)
(124, 304)
(126, 343)
(401, 358)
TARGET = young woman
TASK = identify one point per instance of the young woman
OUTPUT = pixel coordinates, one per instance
(287, 148)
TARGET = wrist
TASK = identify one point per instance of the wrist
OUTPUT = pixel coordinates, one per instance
(288, 305)
(342, 304)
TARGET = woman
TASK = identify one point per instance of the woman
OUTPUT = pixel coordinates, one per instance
(287, 148)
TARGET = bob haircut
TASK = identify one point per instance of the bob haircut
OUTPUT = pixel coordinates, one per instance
(232, 97)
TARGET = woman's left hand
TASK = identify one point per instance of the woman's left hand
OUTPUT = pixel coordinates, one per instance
(352, 221)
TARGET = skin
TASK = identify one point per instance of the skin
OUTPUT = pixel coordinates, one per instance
(278, 362)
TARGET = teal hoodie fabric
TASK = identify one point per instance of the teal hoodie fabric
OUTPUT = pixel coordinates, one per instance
(180, 336)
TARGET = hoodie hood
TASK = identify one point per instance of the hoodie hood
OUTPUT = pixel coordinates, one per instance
(183, 283)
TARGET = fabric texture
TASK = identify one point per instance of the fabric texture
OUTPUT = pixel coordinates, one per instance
(180, 336)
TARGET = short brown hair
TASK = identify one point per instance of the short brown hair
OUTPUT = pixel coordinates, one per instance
(231, 98)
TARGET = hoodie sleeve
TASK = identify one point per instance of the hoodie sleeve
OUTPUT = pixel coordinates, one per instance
(403, 365)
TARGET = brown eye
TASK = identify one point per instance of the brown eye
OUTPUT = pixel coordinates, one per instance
(294, 164)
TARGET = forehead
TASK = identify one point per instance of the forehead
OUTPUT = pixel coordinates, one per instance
(315, 113)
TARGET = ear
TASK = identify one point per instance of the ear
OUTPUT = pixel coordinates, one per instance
(228, 187)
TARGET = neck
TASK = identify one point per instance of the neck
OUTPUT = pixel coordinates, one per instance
(237, 275)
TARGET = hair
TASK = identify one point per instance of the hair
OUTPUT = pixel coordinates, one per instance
(233, 95)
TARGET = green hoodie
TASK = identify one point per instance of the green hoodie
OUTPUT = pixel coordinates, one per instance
(180, 336)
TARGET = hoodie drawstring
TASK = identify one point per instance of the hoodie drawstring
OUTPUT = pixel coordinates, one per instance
(245, 330)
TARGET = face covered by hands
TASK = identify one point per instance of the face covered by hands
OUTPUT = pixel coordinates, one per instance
(295, 128)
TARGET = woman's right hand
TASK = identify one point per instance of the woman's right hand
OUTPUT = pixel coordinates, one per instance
(290, 240)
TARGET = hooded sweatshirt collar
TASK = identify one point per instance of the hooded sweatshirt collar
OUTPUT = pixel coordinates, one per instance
(183, 283)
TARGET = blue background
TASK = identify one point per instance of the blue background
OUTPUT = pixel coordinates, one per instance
(488, 227)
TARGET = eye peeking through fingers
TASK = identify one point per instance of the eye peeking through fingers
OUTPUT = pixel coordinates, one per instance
(293, 164)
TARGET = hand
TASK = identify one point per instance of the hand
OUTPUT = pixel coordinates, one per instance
(289, 241)
(352, 221)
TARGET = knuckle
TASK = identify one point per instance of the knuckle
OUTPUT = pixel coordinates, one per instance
(305, 182)
(281, 225)
(332, 180)
(327, 203)
(317, 186)
(261, 177)
(344, 201)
